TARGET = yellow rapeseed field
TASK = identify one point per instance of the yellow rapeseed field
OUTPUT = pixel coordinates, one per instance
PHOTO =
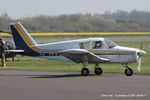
(100, 33)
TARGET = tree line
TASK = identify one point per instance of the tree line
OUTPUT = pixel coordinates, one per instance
(119, 21)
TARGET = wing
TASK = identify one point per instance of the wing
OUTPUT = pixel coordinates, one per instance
(82, 55)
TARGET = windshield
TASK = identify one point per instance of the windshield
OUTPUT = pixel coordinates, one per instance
(110, 44)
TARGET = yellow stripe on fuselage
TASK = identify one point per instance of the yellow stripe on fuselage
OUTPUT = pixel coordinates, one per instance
(26, 39)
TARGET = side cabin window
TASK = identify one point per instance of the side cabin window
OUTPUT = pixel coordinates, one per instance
(85, 45)
(97, 45)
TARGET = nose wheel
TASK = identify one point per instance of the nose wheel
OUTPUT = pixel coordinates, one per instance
(128, 71)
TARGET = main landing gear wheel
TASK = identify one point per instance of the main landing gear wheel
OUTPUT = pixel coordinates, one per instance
(98, 71)
(128, 72)
(85, 72)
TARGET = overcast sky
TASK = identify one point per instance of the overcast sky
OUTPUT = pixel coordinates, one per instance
(28, 8)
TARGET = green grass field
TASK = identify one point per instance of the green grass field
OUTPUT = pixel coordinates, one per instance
(30, 63)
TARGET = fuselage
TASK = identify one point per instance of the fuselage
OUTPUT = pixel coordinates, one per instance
(116, 54)
(102, 47)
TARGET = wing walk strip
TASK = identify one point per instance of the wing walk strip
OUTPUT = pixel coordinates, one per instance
(28, 42)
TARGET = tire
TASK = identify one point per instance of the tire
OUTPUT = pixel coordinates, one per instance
(85, 72)
(128, 72)
(98, 71)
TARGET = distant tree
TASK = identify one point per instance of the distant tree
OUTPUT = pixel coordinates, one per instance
(119, 21)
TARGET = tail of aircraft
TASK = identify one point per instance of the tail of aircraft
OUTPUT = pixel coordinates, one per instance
(22, 39)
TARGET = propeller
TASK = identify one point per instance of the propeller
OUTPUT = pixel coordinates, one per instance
(139, 54)
(139, 63)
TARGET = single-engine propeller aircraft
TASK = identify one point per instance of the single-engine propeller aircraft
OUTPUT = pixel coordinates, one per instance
(91, 50)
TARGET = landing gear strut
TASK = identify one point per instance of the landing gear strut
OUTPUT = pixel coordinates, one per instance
(128, 71)
(85, 70)
(98, 70)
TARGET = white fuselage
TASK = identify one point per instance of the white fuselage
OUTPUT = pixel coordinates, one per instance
(117, 54)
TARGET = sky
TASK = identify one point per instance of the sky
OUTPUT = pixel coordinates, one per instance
(28, 8)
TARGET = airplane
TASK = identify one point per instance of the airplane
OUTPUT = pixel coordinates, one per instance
(92, 50)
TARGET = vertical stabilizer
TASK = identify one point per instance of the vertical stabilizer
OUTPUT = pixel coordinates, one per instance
(22, 39)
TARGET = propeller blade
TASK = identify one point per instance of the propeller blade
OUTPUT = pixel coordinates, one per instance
(139, 64)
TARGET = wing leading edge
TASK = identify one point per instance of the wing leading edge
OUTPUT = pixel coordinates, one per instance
(82, 55)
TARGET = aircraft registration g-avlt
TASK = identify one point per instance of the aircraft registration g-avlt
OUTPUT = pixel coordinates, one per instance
(91, 50)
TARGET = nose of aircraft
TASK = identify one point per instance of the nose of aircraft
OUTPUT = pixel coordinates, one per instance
(141, 52)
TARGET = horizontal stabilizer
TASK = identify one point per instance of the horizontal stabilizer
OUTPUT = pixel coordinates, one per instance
(15, 51)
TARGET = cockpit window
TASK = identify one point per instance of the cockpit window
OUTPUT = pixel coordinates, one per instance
(110, 44)
(97, 45)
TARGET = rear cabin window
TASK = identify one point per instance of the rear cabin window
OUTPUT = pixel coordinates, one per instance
(85, 45)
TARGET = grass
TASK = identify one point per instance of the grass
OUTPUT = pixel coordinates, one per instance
(30, 63)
